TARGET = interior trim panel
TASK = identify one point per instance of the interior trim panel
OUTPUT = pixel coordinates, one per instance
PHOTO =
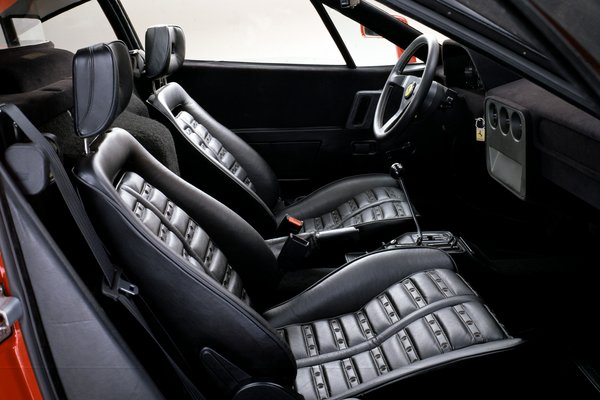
(565, 139)
(506, 145)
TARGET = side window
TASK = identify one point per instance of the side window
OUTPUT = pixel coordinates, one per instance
(21, 31)
(366, 47)
(265, 31)
(79, 27)
(28, 30)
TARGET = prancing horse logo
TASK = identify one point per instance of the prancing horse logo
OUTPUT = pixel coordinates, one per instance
(410, 89)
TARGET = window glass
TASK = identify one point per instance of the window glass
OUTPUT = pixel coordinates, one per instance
(29, 31)
(79, 27)
(266, 31)
(366, 47)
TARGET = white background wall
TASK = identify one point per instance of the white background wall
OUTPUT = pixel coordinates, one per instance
(276, 31)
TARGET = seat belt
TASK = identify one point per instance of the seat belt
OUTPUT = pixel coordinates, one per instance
(114, 286)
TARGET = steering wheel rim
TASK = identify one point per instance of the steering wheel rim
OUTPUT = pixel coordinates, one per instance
(414, 89)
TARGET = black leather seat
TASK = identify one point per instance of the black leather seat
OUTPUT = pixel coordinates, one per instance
(215, 159)
(209, 276)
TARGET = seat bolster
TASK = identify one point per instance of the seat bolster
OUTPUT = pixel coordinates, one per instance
(329, 197)
(364, 278)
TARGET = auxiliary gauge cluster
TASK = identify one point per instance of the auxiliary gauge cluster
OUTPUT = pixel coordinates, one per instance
(506, 120)
(506, 144)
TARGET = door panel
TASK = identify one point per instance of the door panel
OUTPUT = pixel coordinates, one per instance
(245, 95)
(296, 117)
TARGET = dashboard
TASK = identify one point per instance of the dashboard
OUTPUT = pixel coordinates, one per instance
(459, 68)
(532, 135)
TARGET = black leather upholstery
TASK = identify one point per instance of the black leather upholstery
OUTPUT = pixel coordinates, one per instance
(211, 157)
(197, 309)
(165, 50)
(178, 231)
(173, 214)
(413, 314)
(102, 86)
(205, 273)
(214, 149)
(350, 201)
(232, 171)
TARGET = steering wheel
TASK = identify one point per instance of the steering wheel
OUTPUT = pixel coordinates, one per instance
(414, 89)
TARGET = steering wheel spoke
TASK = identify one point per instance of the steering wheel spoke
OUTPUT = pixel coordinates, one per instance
(393, 119)
(397, 79)
(404, 104)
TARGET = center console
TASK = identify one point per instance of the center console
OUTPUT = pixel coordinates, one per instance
(333, 248)
(442, 240)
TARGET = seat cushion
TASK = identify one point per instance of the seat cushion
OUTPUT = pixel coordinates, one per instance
(437, 338)
(428, 317)
(350, 201)
(372, 205)
(388, 307)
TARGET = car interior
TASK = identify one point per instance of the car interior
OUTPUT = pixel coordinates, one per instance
(281, 231)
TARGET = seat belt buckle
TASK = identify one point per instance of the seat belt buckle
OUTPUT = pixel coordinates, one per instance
(119, 287)
(289, 225)
(294, 252)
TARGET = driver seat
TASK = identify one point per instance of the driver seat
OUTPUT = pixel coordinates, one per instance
(219, 162)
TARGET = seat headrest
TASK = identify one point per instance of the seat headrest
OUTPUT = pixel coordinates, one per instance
(165, 50)
(102, 86)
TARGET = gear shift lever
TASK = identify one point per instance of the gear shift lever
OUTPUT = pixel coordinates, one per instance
(396, 171)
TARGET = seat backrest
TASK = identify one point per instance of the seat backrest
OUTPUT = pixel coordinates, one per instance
(212, 157)
(197, 264)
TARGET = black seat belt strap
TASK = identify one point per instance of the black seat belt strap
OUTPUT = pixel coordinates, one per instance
(68, 193)
(115, 287)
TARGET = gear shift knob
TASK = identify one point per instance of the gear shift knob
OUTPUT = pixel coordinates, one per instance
(396, 170)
